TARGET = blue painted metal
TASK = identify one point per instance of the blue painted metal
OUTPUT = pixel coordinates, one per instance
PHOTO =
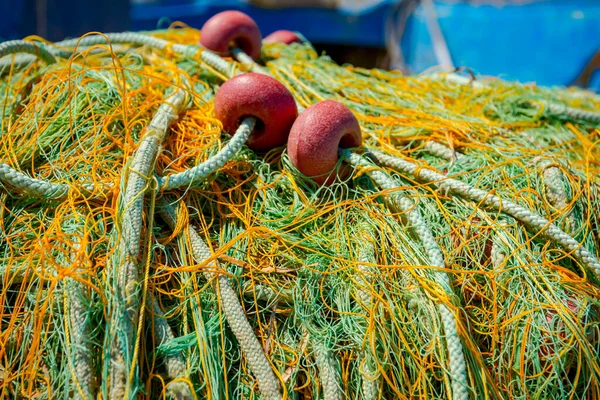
(363, 26)
(547, 42)
(11, 11)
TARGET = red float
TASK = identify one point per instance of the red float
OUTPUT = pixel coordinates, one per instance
(262, 97)
(231, 27)
(282, 36)
(316, 136)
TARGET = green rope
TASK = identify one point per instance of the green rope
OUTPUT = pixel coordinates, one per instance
(251, 348)
(21, 46)
(536, 222)
(123, 321)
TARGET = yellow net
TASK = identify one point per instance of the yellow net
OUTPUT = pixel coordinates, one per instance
(337, 283)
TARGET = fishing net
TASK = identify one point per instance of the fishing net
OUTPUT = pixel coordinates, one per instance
(393, 282)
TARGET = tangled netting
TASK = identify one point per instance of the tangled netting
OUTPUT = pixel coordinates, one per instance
(455, 256)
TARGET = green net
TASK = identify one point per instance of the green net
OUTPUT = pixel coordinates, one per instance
(254, 282)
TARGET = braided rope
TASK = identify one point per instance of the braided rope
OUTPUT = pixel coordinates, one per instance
(559, 109)
(219, 64)
(39, 188)
(21, 60)
(441, 151)
(199, 172)
(458, 367)
(246, 60)
(31, 186)
(80, 341)
(175, 363)
(267, 294)
(122, 38)
(21, 46)
(366, 254)
(370, 374)
(530, 219)
(328, 373)
(557, 195)
(552, 108)
(133, 38)
(206, 56)
(76, 298)
(17, 273)
(18, 61)
(497, 255)
(140, 39)
(268, 382)
(123, 328)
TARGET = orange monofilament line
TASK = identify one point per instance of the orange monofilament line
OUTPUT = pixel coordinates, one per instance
(335, 267)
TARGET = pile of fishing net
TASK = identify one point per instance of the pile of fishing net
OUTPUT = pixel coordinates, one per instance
(453, 254)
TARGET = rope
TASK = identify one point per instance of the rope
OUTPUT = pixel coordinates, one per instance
(77, 305)
(247, 61)
(328, 372)
(122, 322)
(385, 316)
(31, 186)
(458, 368)
(175, 363)
(251, 347)
(196, 174)
(531, 220)
(366, 255)
(21, 46)
(572, 113)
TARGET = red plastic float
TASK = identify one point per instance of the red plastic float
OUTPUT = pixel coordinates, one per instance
(228, 27)
(282, 36)
(262, 97)
(316, 136)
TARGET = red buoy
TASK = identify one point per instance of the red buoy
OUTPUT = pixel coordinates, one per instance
(228, 27)
(282, 36)
(258, 96)
(316, 136)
